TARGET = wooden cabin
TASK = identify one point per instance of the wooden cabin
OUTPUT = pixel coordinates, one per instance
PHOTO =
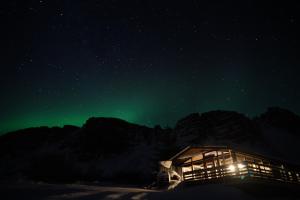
(219, 163)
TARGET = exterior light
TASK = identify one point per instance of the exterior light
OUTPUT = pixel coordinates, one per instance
(240, 166)
(231, 168)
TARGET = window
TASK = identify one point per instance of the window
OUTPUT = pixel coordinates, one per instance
(186, 169)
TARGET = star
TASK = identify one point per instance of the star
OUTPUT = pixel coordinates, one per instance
(144, 58)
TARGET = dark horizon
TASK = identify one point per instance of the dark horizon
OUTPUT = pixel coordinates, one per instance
(151, 126)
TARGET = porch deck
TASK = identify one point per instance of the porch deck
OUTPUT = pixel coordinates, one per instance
(208, 164)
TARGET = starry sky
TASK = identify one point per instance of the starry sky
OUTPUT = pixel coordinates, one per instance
(148, 62)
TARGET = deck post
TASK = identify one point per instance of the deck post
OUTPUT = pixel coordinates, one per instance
(223, 158)
(218, 161)
(192, 167)
(205, 167)
(234, 161)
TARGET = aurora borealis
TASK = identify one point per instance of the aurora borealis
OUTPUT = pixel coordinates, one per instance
(148, 62)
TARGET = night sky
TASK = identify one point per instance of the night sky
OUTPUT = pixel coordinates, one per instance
(148, 62)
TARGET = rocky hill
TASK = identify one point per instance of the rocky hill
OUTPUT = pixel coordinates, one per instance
(110, 149)
(218, 127)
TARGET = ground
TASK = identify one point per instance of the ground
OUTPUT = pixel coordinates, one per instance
(43, 191)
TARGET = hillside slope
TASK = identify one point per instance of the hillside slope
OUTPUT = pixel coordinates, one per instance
(110, 149)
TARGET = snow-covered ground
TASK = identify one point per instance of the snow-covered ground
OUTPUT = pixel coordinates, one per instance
(84, 192)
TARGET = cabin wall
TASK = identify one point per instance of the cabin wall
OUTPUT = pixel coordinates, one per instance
(208, 160)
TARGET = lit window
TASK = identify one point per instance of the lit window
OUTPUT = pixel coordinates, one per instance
(241, 166)
(231, 168)
(268, 168)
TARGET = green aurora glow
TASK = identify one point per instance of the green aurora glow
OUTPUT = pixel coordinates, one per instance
(145, 62)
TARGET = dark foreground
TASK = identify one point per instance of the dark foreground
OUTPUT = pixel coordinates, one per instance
(43, 191)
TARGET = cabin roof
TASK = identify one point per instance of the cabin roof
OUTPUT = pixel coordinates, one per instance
(192, 150)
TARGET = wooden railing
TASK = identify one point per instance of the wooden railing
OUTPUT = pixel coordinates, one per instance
(244, 170)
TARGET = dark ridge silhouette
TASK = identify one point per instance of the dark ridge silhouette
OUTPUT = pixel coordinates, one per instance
(282, 119)
(110, 149)
(220, 125)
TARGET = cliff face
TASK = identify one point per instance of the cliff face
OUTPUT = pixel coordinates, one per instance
(113, 149)
(281, 119)
(281, 132)
(222, 127)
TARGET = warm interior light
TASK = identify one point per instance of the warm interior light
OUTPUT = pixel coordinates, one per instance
(231, 168)
(240, 166)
